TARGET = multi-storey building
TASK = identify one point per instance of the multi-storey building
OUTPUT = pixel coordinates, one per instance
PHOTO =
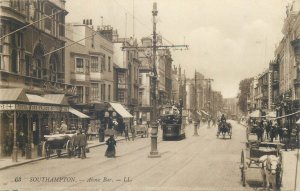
(145, 69)
(89, 63)
(31, 61)
(127, 74)
(287, 57)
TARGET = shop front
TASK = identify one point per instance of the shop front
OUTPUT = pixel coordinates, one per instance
(24, 119)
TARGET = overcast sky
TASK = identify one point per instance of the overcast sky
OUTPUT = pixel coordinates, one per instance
(229, 40)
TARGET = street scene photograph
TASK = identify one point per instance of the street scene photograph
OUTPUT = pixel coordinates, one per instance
(149, 95)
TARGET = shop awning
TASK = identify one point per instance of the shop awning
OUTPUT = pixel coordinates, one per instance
(13, 94)
(39, 99)
(57, 98)
(121, 110)
(255, 113)
(78, 113)
(271, 115)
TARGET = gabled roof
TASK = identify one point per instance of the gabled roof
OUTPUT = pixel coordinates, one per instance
(13, 94)
(39, 99)
(57, 98)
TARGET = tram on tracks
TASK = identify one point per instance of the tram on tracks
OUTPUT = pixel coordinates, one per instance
(171, 120)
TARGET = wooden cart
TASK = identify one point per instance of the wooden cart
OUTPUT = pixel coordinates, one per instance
(254, 150)
(58, 143)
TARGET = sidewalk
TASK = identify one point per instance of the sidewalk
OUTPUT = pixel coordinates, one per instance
(7, 162)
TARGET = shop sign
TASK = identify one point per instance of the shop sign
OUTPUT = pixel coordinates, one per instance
(65, 109)
(6, 107)
(22, 107)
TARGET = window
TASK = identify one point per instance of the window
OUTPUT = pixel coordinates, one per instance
(79, 94)
(109, 64)
(102, 63)
(94, 91)
(79, 65)
(27, 65)
(109, 88)
(94, 64)
(102, 92)
(140, 79)
(121, 78)
(121, 96)
(54, 61)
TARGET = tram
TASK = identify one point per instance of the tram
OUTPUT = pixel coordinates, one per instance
(171, 123)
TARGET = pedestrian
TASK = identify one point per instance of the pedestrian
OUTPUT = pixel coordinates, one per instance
(22, 143)
(75, 140)
(126, 133)
(111, 150)
(82, 142)
(63, 127)
(132, 132)
(89, 132)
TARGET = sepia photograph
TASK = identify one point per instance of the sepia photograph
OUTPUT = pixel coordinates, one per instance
(149, 95)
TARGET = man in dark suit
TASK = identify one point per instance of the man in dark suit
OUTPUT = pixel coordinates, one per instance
(82, 142)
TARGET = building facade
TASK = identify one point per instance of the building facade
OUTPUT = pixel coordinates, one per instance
(31, 67)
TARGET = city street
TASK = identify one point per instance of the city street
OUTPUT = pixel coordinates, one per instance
(195, 163)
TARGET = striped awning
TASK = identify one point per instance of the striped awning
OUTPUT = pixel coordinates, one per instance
(121, 110)
(78, 113)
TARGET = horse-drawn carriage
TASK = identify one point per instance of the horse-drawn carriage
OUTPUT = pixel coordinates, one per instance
(58, 143)
(224, 128)
(266, 156)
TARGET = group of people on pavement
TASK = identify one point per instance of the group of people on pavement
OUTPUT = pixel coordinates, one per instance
(270, 130)
(79, 142)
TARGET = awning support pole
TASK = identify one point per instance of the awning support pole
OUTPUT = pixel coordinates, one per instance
(15, 148)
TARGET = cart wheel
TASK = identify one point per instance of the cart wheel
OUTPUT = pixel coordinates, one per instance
(58, 152)
(279, 171)
(243, 168)
(69, 147)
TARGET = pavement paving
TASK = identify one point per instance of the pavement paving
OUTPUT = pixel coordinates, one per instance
(7, 162)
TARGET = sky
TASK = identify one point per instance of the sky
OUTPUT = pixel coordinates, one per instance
(229, 40)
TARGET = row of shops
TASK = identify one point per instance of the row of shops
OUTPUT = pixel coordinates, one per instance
(26, 118)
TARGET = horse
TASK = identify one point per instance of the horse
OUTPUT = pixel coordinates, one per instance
(270, 166)
(224, 128)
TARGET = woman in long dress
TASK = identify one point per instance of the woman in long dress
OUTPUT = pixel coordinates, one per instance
(111, 143)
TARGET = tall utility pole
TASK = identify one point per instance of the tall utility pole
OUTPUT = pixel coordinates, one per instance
(209, 80)
(154, 124)
(196, 121)
(154, 153)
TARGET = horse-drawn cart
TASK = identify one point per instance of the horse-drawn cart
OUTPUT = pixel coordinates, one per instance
(58, 142)
(224, 128)
(256, 155)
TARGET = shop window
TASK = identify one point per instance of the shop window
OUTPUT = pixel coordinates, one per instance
(79, 65)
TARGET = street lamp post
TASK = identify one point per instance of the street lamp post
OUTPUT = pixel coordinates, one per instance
(154, 152)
